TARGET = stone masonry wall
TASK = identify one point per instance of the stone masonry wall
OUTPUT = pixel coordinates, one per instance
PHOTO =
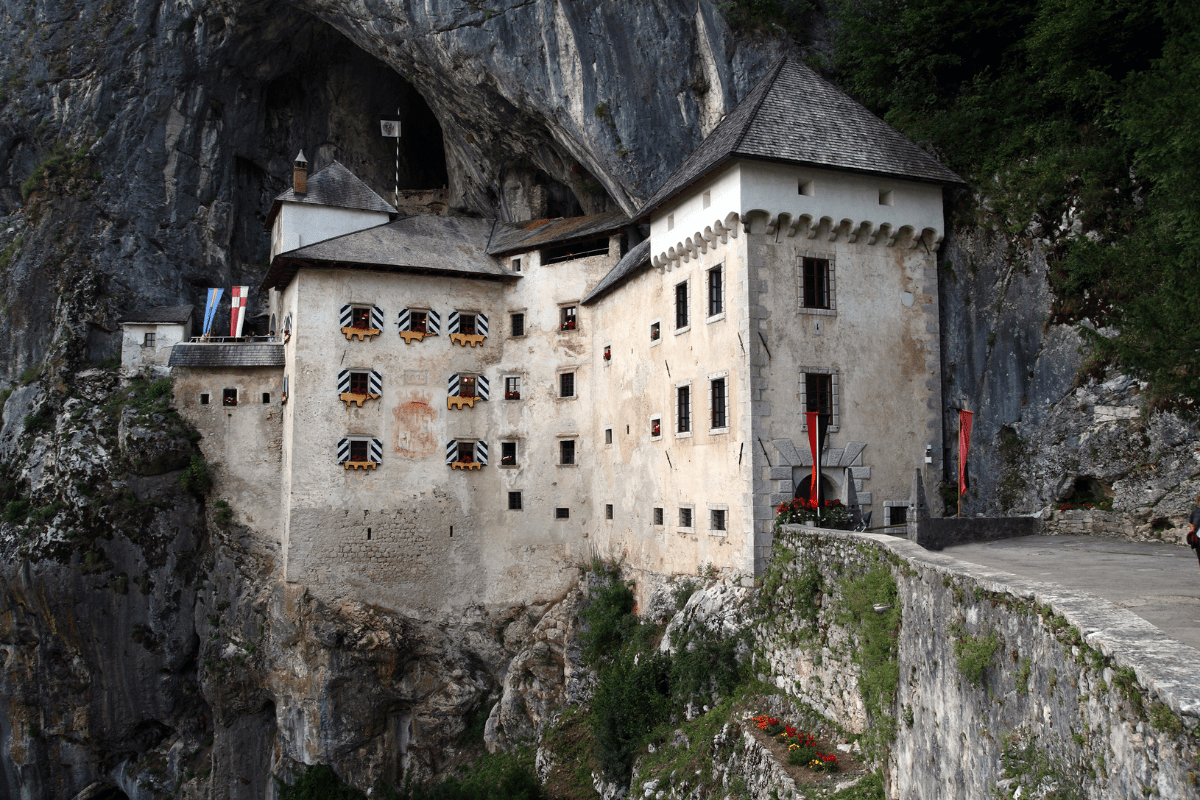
(1071, 688)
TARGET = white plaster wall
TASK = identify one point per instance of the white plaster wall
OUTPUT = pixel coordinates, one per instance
(412, 562)
(135, 356)
(689, 213)
(300, 224)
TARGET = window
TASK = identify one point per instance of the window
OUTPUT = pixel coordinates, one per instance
(716, 291)
(886, 198)
(360, 322)
(204, 398)
(148, 340)
(717, 401)
(681, 305)
(717, 519)
(360, 453)
(466, 452)
(516, 265)
(466, 324)
(570, 252)
(229, 397)
(358, 450)
(566, 384)
(266, 398)
(819, 395)
(566, 452)
(608, 435)
(514, 501)
(655, 427)
(512, 387)
(508, 454)
(683, 409)
(670, 222)
(685, 516)
(518, 324)
(806, 188)
(607, 354)
(567, 321)
(359, 383)
(466, 385)
(655, 332)
(895, 512)
(816, 283)
(706, 200)
(562, 513)
(658, 516)
(418, 321)
(608, 511)
(361, 318)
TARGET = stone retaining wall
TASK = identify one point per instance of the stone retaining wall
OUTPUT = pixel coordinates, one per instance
(1106, 702)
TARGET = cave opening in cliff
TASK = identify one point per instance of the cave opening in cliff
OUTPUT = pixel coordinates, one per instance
(109, 793)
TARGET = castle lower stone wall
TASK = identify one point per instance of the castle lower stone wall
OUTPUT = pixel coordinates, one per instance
(1068, 687)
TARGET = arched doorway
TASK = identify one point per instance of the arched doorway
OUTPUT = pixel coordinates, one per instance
(803, 491)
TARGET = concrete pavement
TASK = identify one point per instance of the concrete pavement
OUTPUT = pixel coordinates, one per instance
(1158, 582)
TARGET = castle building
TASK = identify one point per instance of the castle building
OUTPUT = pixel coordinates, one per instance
(454, 411)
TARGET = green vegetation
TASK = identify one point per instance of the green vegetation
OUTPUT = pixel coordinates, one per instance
(195, 478)
(1030, 768)
(974, 655)
(224, 513)
(876, 654)
(1022, 679)
(60, 162)
(1050, 107)
(1165, 720)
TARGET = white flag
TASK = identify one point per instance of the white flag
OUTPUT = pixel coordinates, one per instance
(390, 128)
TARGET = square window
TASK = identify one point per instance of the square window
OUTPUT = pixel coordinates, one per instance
(514, 501)
(681, 305)
(204, 398)
(806, 188)
(266, 398)
(658, 515)
(148, 340)
(717, 398)
(361, 319)
(716, 291)
(466, 452)
(508, 454)
(466, 385)
(518, 324)
(655, 331)
(229, 397)
(655, 427)
(717, 523)
(562, 513)
(685, 517)
(683, 409)
(818, 395)
(566, 318)
(516, 265)
(566, 452)
(359, 383)
(816, 283)
(608, 435)
(466, 324)
(608, 511)
(886, 198)
(512, 387)
(358, 450)
(418, 321)
(895, 513)
(566, 384)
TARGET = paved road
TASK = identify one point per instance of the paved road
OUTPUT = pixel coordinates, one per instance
(1158, 582)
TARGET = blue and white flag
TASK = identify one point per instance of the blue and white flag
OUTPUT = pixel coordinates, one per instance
(210, 310)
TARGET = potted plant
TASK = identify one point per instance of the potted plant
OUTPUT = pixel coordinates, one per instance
(512, 395)
(568, 325)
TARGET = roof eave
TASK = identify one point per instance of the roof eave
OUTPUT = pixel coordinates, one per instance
(283, 270)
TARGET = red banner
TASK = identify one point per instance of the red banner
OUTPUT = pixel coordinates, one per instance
(814, 443)
(237, 309)
(964, 446)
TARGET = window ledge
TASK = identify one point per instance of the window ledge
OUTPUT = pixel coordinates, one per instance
(656, 342)
(718, 431)
(567, 399)
(683, 435)
(567, 466)
(686, 531)
(715, 318)
(825, 312)
(718, 533)
(656, 438)
(508, 466)
(684, 329)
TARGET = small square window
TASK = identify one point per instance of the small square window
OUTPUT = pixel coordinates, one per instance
(562, 513)
(566, 384)
(418, 321)
(608, 435)
(148, 340)
(466, 386)
(508, 454)
(358, 450)
(204, 398)
(266, 398)
(608, 511)
(806, 188)
(566, 319)
(512, 387)
(361, 319)
(466, 452)
(466, 324)
(518, 324)
(566, 452)
(718, 519)
(655, 331)
(514, 501)
(886, 198)
(685, 517)
(516, 265)
(655, 427)
(359, 383)
(658, 515)
(229, 397)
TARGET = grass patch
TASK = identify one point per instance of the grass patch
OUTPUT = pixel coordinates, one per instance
(974, 655)
(877, 653)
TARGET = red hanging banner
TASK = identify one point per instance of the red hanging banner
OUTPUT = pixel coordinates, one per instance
(964, 446)
(814, 443)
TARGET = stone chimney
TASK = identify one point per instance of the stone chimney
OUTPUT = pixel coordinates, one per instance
(300, 174)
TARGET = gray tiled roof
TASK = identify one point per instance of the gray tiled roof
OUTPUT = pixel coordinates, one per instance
(795, 116)
(531, 234)
(226, 355)
(633, 262)
(333, 186)
(444, 245)
(178, 315)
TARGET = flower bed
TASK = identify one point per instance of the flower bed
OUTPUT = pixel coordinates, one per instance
(830, 514)
(801, 747)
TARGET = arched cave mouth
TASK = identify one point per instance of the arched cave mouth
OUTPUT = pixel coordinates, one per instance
(1089, 491)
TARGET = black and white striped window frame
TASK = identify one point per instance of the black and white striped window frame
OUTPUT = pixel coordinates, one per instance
(351, 379)
(457, 456)
(483, 388)
(359, 452)
(433, 320)
(455, 322)
(352, 320)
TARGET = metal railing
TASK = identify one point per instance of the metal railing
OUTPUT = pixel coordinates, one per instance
(236, 340)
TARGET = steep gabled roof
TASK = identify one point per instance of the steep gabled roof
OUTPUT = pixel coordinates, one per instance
(163, 315)
(633, 262)
(333, 186)
(793, 115)
(426, 243)
(532, 234)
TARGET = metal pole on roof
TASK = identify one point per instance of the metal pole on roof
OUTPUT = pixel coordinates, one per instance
(396, 185)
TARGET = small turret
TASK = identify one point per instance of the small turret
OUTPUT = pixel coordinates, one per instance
(300, 174)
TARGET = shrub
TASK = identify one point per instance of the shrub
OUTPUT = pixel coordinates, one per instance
(195, 478)
(16, 512)
(974, 655)
(611, 624)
